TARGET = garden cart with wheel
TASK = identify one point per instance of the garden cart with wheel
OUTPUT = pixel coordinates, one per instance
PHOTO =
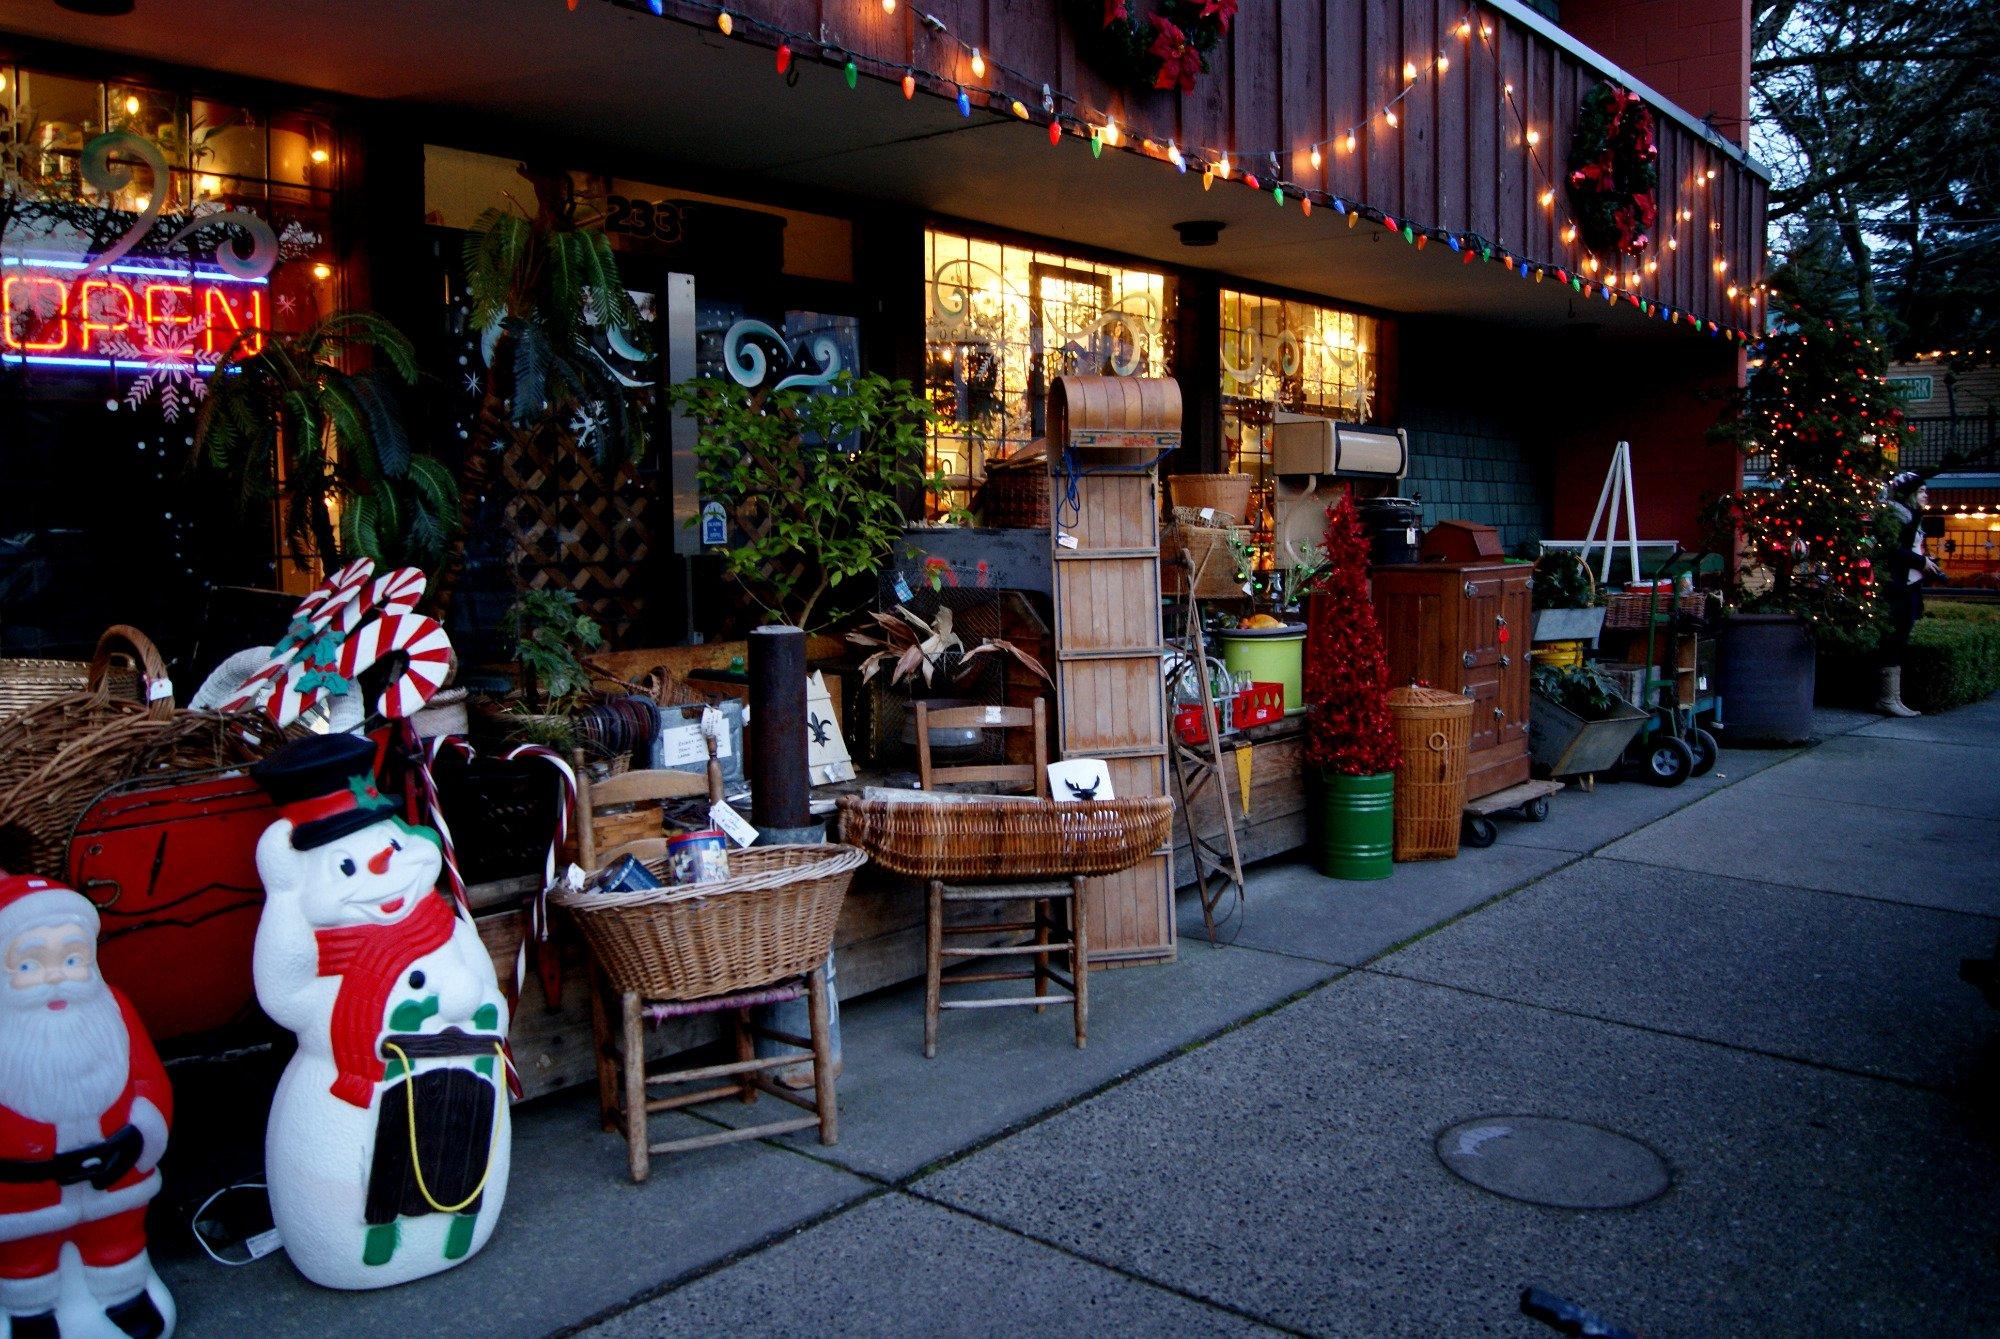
(1673, 746)
(1530, 800)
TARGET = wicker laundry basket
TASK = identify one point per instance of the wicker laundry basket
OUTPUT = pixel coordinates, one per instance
(771, 919)
(1435, 730)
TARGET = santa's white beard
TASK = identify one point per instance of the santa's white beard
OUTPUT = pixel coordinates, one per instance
(63, 1067)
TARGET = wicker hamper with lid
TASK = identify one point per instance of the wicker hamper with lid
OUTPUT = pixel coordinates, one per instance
(1435, 731)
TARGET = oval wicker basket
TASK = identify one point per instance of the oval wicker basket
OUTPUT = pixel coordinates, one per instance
(125, 666)
(1435, 731)
(1007, 839)
(1228, 494)
(772, 918)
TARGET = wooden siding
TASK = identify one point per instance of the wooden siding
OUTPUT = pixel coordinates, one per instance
(1458, 162)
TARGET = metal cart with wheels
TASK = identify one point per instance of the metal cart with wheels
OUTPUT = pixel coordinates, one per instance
(1673, 746)
(1530, 800)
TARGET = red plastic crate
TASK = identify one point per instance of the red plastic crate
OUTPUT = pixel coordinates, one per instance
(1259, 704)
(1188, 723)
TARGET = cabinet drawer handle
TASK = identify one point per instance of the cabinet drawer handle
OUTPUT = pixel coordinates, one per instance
(117, 891)
(1505, 661)
(1471, 591)
(1469, 659)
(1499, 713)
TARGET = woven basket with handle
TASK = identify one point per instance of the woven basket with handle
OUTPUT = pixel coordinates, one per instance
(126, 665)
(772, 918)
(1007, 839)
(1435, 731)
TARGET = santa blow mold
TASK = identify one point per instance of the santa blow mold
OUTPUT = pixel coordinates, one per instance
(388, 1147)
(84, 1106)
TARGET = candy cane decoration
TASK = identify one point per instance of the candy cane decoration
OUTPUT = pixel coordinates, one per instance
(547, 966)
(349, 624)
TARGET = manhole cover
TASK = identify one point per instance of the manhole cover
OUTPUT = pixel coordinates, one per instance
(1563, 1163)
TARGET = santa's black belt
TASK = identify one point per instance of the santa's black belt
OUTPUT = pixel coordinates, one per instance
(446, 1045)
(100, 1163)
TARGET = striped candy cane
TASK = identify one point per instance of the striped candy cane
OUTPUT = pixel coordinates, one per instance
(427, 652)
(547, 965)
(335, 599)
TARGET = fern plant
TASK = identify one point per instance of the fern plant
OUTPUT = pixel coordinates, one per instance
(352, 484)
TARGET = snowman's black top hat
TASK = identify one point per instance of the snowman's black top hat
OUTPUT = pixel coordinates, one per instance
(326, 785)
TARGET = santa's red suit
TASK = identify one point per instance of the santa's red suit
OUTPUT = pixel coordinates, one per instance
(27, 1144)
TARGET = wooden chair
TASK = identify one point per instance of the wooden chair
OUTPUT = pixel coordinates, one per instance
(623, 1077)
(1055, 906)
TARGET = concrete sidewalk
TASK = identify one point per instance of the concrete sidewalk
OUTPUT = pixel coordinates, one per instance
(1753, 977)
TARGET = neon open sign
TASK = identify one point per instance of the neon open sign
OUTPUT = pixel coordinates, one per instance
(125, 315)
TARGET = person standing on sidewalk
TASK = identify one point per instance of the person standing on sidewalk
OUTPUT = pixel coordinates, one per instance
(1901, 567)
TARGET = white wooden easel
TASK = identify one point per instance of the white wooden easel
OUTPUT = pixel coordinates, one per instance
(1616, 494)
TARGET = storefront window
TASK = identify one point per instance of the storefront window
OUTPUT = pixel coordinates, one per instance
(105, 515)
(1002, 321)
(1281, 355)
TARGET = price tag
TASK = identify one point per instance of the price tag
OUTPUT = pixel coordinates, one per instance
(995, 715)
(1066, 540)
(903, 591)
(1208, 513)
(733, 823)
(263, 1243)
(159, 688)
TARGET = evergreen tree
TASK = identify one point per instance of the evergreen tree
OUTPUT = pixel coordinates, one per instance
(1819, 420)
(1348, 729)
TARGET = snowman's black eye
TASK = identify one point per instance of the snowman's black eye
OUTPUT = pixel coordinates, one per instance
(395, 845)
(347, 868)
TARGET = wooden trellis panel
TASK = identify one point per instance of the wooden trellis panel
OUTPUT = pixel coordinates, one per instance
(573, 527)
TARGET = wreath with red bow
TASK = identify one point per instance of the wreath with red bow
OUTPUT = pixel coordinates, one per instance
(1613, 170)
(1167, 48)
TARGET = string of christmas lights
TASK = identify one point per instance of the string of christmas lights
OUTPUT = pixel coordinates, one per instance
(1066, 116)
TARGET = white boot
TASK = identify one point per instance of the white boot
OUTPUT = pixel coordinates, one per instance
(1890, 701)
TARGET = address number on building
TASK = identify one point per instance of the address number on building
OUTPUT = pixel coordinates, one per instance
(661, 220)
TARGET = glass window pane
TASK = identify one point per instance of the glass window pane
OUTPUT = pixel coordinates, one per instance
(1003, 321)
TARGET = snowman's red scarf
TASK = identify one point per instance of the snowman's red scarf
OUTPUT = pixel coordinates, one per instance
(370, 960)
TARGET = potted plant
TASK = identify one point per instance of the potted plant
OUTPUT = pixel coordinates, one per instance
(1350, 744)
(1566, 602)
(1580, 724)
(354, 485)
(814, 481)
(551, 636)
(1819, 412)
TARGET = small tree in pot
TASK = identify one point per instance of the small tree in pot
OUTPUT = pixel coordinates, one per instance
(1350, 742)
(814, 481)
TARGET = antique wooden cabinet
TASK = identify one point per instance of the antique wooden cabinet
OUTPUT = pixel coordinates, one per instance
(1464, 627)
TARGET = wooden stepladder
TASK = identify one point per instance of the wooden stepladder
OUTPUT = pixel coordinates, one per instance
(1107, 436)
(1218, 865)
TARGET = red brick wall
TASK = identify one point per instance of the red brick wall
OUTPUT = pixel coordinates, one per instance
(1662, 396)
(1695, 52)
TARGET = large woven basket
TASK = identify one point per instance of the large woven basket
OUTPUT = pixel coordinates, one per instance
(1207, 548)
(772, 918)
(1228, 493)
(1007, 839)
(1435, 731)
(1014, 499)
(125, 666)
(1631, 609)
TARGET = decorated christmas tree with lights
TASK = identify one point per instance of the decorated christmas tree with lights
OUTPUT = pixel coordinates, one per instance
(1820, 418)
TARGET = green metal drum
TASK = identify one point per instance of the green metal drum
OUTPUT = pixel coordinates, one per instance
(1354, 829)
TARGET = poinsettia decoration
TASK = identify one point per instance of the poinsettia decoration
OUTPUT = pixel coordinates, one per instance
(1166, 47)
(1613, 171)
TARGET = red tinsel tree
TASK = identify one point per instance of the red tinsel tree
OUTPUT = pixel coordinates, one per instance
(1347, 677)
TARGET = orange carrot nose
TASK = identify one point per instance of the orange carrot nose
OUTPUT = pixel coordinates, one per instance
(379, 862)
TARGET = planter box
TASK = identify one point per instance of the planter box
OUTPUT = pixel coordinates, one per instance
(1568, 625)
(1563, 743)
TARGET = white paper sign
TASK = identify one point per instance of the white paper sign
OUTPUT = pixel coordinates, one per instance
(684, 745)
(736, 825)
(827, 758)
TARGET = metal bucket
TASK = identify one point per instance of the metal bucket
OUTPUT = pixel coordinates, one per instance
(1355, 825)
